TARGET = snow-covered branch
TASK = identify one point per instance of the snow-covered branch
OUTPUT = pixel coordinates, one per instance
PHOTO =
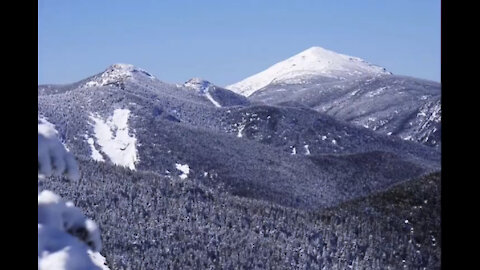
(67, 239)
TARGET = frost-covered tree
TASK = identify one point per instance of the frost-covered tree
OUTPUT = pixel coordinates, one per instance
(67, 239)
(53, 157)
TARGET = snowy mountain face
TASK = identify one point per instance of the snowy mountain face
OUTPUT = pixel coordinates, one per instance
(313, 62)
(399, 106)
(144, 124)
(198, 84)
(116, 73)
(352, 90)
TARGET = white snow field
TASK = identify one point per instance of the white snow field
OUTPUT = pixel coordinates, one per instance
(114, 137)
(315, 61)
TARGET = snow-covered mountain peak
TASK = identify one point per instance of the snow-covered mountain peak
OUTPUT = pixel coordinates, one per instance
(313, 62)
(204, 88)
(121, 66)
(198, 84)
(323, 59)
(116, 73)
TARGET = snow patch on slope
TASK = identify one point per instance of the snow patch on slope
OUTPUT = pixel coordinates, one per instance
(377, 92)
(184, 168)
(213, 100)
(114, 138)
(428, 116)
(307, 150)
(95, 153)
(240, 130)
(315, 61)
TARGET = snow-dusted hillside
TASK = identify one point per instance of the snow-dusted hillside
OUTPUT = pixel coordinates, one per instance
(400, 106)
(313, 62)
(145, 124)
(353, 90)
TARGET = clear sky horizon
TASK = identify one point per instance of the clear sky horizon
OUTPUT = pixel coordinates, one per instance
(227, 41)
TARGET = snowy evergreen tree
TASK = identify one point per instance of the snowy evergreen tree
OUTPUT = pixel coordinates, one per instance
(67, 239)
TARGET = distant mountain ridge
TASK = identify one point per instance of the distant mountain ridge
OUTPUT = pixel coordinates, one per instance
(137, 121)
(353, 90)
(392, 105)
(313, 62)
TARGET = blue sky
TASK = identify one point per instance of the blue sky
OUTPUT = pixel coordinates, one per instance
(227, 41)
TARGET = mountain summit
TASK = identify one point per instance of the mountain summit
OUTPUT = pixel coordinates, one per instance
(313, 62)
(198, 84)
(116, 73)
